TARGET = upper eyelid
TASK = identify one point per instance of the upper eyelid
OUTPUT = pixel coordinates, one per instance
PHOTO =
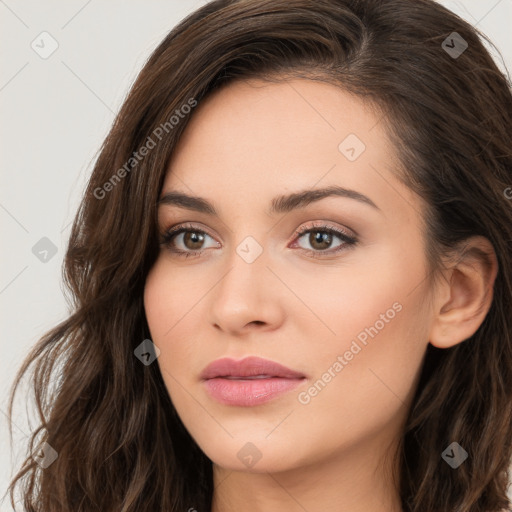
(185, 227)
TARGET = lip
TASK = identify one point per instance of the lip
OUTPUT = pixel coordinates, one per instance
(249, 381)
(248, 367)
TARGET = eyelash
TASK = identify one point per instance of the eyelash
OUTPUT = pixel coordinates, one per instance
(349, 242)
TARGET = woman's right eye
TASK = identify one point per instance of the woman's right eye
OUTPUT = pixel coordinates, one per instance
(189, 237)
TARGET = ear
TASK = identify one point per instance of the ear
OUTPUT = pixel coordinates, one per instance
(464, 297)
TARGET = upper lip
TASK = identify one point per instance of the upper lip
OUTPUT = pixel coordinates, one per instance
(248, 367)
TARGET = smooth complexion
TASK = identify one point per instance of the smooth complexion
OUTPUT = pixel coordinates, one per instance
(303, 300)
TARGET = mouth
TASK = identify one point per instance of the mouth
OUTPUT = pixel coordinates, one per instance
(248, 382)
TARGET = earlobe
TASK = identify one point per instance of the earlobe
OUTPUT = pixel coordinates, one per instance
(465, 298)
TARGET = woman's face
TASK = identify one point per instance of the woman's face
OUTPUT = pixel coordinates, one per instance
(350, 318)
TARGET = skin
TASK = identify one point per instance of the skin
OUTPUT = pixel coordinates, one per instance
(246, 144)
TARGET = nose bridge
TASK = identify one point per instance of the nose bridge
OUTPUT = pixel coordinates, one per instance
(243, 294)
(247, 268)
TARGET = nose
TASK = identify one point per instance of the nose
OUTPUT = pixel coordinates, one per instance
(248, 296)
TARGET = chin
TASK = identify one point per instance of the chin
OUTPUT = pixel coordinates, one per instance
(249, 456)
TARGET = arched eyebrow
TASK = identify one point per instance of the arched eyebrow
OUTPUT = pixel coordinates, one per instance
(280, 204)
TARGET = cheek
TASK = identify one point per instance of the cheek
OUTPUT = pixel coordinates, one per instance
(168, 296)
(363, 298)
(155, 303)
(162, 308)
(367, 373)
(378, 332)
(361, 392)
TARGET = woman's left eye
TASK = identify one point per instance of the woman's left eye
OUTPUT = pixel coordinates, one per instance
(320, 236)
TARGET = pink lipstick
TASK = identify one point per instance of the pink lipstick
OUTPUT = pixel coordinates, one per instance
(248, 382)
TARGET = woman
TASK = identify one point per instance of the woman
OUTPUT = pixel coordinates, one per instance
(291, 273)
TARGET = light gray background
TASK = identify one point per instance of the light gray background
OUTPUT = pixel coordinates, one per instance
(56, 112)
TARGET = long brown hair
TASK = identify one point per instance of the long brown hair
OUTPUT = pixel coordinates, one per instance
(448, 109)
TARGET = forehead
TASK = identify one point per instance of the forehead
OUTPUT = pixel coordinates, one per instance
(254, 139)
(286, 118)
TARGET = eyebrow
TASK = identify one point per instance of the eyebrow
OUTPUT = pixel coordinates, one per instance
(280, 204)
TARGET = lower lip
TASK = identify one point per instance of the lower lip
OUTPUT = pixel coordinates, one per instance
(249, 392)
